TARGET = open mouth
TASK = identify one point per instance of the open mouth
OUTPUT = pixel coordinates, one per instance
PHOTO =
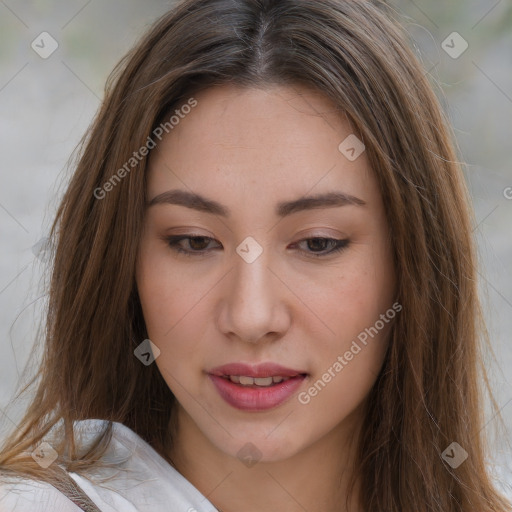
(256, 387)
(258, 382)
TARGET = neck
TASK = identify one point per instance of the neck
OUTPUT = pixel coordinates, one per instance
(315, 478)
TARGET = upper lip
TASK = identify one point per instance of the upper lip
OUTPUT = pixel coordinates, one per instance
(255, 370)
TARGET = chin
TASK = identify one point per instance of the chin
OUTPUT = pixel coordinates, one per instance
(272, 445)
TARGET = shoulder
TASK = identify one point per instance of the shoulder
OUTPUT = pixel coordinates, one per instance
(142, 476)
(131, 477)
(26, 495)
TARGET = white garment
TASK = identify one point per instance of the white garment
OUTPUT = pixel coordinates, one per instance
(148, 483)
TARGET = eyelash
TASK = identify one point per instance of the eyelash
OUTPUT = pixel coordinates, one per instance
(172, 241)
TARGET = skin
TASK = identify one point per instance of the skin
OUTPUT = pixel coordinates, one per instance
(250, 149)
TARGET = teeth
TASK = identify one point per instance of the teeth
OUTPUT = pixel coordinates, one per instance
(256, 381)
(266, 381)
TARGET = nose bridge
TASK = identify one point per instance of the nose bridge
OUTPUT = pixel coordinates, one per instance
(251, 261)
(251, 304)
(251, 274)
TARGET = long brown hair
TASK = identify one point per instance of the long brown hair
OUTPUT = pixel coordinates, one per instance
(428, 393)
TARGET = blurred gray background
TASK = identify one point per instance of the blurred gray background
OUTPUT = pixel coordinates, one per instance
(47, 102)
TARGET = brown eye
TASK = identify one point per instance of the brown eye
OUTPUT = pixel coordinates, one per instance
(317, 246)
(196, 244)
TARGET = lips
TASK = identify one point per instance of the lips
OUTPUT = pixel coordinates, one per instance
(256, 388)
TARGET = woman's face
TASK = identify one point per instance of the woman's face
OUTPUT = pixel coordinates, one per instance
(260, 291)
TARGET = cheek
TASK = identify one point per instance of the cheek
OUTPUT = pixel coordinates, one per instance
(175, 309)
(351, 296)
(348, 363)
(166, 295)
(356, 304)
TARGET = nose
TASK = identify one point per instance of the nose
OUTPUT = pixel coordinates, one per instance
(254, 302)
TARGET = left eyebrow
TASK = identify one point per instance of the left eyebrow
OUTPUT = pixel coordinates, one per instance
(283, 209)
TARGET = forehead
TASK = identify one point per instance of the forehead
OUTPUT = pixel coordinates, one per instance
(259, 143)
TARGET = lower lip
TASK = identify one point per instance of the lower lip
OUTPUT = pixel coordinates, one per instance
(256, 399)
